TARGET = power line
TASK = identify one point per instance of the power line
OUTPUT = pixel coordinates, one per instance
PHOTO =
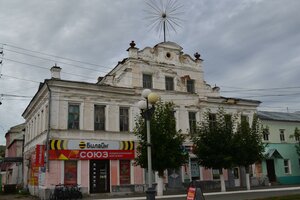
(36, 66)
(24, 49)
(91, 69)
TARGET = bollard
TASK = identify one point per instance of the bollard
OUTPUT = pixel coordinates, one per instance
(150, 194)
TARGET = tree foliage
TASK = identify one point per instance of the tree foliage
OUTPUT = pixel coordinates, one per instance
(2, 151)
(248, 143)
(213, 141)
(166, 142)
(228, 142)
(297, 135)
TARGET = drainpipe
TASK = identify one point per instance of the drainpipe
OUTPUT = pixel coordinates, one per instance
(48, 131)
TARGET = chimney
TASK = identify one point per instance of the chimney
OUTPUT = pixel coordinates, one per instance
(55, 72)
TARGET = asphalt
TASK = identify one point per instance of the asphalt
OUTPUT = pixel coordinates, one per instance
(182, 193)
(174, 194)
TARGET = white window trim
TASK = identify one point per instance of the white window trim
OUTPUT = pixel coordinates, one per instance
(289, 166)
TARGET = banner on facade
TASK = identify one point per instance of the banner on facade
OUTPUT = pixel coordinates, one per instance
(39, 155)
(57, 144)
(34, 171)
(90, 154)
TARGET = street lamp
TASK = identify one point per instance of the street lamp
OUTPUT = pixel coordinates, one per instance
(152, 98)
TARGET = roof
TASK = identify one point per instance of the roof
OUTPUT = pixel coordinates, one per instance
(279, 116)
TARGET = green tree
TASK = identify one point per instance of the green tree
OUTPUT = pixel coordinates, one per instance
(2, 151)
(166, 142)
(297, 135)
(248, 145)
(213, 142)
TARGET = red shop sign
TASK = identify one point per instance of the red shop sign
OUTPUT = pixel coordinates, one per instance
(90, 154)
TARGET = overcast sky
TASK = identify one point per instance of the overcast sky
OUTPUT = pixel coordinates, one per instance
(251, 48)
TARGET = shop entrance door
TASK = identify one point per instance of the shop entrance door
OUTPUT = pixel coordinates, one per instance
(99, 176)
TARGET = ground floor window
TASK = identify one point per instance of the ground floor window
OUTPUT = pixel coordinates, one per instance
(124, 172)
(287, 167)
(216, 174)
(70, 172)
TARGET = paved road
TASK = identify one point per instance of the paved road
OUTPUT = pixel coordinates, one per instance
(236, 195)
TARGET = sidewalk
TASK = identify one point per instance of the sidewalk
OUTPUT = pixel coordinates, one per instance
(182, 193)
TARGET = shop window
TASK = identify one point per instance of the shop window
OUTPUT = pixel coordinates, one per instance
(147, 81)
(282, 138)
(124, 172)
(287, 166)
(99, 117)
(169, 83)
(73, 116)
(124, 119)
(190, 86)
(70, 172)
(216, 174)
(192, 122)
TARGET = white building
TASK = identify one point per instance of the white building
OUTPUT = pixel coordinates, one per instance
(89, 126)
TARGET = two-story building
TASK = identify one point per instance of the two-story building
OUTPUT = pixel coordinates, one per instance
(12, 164)
(282, 163)
(85, 129)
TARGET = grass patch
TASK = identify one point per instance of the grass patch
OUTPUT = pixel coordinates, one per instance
(288, 197)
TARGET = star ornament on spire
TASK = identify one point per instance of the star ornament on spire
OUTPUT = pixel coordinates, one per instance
(164, 15)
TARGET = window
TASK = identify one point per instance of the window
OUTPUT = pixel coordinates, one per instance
(228, 121)
(124, 172)
(70, 172)
(124, 119)
(266, 134)
(212, 120)
(99, 117)
(287, 168)
(236, 173)
(169, 83)
(216, 174)
(282, 139)
(297, 138)
(192, 122)
(245, 118)
(73, 120)
(190, 86)
(147, 81)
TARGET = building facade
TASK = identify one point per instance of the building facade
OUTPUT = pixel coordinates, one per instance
(12, 164)
(86, 129)
(282, 163)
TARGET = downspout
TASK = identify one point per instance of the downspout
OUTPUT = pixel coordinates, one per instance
(49, 126)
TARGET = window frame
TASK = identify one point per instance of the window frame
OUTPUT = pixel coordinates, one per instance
(287, 166)
(266, 134)
(147, 81)
(190, 86)
(124, 120)
(192, 121)
(73, 113)
(215, 176)
(101, 116)
(169, 83)
(282, 135)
